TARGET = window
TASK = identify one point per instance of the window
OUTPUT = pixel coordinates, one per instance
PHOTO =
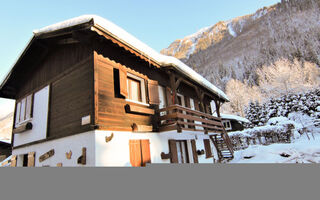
(136, 88)
(24, 109)
(227, 125)
(182, 151)
(163, 100)
(213, 107)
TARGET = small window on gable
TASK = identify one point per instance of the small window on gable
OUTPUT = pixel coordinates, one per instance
(24, 109)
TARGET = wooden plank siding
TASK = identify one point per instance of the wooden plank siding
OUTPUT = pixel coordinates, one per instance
(81, 79)
(68, 69)
(71, 99)
(111, 109)
(59, 60)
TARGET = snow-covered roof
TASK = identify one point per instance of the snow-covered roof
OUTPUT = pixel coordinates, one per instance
(235, 117)
(126, 38)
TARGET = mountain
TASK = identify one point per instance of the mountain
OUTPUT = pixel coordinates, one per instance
(234, 49)
(6, 126)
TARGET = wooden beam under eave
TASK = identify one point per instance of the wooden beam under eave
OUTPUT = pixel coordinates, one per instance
(173, 87)
(120, 43)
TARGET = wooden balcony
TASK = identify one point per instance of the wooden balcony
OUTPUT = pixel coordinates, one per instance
(176, 117)
(180, 118)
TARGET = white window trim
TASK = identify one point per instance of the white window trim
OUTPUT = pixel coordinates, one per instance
(142, 89)
(137, 102)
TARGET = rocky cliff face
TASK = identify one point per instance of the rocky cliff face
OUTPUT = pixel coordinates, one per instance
(234, 49)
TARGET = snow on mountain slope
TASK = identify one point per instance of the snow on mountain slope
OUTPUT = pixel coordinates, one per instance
(234, 49)
(205, 37)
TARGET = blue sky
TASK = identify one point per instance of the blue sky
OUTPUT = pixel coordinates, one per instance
(156, 23)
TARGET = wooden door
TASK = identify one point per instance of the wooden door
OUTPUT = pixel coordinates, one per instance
(180, 152)
(139, 152)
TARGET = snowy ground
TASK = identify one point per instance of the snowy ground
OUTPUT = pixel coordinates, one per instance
(301, 151)
(304, 149)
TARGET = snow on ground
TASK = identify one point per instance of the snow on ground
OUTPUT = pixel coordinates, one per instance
(304, 148)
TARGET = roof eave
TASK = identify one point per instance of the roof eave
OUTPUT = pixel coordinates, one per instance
(4, 81)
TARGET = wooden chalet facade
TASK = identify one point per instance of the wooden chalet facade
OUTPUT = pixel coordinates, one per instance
(87, 95)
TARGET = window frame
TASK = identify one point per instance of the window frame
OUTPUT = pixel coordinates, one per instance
(184, 151)
(228, 125)
(25, 103)
(142, 89)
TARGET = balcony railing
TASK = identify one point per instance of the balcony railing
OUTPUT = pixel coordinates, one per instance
(180, 118)
(176, 117)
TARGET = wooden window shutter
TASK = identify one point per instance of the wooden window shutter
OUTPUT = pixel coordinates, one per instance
(31, 159)
(123, 80)
(194, 151)
(153, 91)
(173, 151)
(135, 153)
(29, 103)
(145, 149)
(207, 148)
(13, 161)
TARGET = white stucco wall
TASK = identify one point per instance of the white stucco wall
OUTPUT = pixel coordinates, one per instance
(113, 153)
(116, 151)
(61, 146)
(39, 120)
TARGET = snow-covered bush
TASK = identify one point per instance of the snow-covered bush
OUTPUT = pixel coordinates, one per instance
(306, 103)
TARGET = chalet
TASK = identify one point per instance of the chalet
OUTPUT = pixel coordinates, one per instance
(90, 94)
(233, 122)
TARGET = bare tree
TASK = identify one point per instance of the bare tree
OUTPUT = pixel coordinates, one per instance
(285, 77)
